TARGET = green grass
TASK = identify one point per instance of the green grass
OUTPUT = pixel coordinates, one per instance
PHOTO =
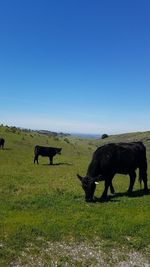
(47, 202)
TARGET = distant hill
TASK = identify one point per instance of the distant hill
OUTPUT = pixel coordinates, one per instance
(45, 132)
(50, 133)
(82, 135)
(95, 140)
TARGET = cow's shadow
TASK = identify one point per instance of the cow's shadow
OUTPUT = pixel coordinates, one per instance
(116, 196)
(58, 164)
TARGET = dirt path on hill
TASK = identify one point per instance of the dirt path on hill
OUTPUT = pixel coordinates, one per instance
(61, 254)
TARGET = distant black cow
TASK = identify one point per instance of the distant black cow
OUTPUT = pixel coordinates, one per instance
(2, 141)
(123, 158)
(46, 152)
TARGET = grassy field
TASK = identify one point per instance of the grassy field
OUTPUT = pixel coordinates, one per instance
(44, 220)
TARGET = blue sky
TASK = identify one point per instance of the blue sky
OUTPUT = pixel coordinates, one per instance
(75, 65)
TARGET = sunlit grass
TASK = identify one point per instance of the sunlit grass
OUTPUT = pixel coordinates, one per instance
(48, 201)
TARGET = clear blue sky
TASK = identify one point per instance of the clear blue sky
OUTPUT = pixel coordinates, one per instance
(75, 65)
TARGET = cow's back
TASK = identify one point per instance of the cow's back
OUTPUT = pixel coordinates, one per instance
(118, 158)
(41, 150)
(44, 151)
(130, 156)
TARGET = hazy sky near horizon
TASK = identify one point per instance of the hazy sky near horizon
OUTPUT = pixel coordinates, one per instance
(75, 65)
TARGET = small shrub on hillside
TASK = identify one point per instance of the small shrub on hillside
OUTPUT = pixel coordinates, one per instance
(56, 138)
(66, 140)
(104, 136)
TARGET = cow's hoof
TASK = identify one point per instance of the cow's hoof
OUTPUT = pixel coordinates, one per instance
(129, 193)
(146, 191)
(103, 199)
(90, 200)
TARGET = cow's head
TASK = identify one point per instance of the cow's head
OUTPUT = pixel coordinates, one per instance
(58, 150)
(88, 185)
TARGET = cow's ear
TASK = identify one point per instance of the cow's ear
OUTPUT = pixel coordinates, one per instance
(80, 177)
(97, 179)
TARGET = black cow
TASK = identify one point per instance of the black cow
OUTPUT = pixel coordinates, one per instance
(2, 141)
(123, 158)
(46, 152)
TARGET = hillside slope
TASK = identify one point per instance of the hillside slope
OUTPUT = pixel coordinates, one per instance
(44, 220)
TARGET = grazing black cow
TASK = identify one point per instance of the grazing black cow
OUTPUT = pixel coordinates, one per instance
(46, 152)
(123, 158)
(2, 141)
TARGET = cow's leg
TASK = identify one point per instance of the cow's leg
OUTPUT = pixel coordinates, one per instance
(107, 184)
(112, 190)
(132, 181)
(143, 176)
(51, 160)
(36, 159)
(145, 184)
